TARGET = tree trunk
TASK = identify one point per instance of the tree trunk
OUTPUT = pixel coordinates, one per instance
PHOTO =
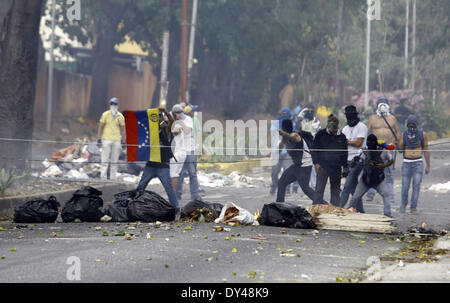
(102, 59)
(19, 36)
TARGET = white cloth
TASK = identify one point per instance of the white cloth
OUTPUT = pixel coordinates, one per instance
(110, 153)
(176, 166)
(353, 133)
(189, 137)
(306, 158)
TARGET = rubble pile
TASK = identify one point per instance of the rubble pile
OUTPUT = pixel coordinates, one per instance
(81, 161)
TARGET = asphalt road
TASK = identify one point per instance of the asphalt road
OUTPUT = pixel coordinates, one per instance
(176, 253)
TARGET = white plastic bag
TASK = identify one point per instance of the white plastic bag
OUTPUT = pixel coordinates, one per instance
(244, 217)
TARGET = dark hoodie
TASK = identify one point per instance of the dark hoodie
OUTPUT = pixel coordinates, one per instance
(330, 160)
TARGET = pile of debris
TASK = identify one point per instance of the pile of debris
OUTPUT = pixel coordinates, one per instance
(234, 179)
(81, 161)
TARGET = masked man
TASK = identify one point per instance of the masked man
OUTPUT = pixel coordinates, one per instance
(111, 134)
(414, 143)
(329, 157)
(375, 160)
(356, 133)
(384, 125)
(297, 144)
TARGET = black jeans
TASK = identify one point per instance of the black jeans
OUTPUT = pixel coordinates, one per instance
(297, 173)
(335, 185)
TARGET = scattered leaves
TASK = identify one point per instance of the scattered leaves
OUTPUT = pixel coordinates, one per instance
(234, 250)
(77, 221)
(188, 227)
(105, 234)
(13, 249)
(120, 233)
(358, 236)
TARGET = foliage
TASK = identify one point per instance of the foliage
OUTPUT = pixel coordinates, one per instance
(7, 178)
(435, 118)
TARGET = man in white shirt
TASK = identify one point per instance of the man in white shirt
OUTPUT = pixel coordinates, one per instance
(180, 143)
(356, 133)
(190, 164)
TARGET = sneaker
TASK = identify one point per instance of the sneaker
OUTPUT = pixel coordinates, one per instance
(413, 211)
(177, 214)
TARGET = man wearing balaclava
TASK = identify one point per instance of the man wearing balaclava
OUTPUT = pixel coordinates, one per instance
(356, 133)
(383, 125)
(283, 161)
(414, 144)
(374, 160)
(329, 154)
(111, 134)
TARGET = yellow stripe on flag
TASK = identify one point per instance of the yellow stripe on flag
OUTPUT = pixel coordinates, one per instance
(155, 150)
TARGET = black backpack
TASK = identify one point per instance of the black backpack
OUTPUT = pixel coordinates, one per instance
(372, 175)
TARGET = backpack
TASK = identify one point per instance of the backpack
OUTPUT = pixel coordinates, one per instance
(372, 176)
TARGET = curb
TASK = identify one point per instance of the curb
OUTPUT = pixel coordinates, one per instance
(8, 204)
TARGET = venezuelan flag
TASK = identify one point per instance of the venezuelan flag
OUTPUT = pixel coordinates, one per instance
(143, 135)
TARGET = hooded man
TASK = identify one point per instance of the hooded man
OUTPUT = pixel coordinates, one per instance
(297, 144)
(374, 160)
(329, 157)
(356, 133)
(414, 143)
(111, 134)
(283, 161)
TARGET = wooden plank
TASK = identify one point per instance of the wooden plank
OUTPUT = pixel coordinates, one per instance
(355, 217)
(347, 221)
(386, 230)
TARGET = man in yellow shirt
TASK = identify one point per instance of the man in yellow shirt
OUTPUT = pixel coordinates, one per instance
(111, 133)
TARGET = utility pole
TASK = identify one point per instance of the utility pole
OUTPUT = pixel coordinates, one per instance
(366, 94)
(184, 46)
(413, 76)
(164, 85)
(191, 51)
(50, 71)
(405, 79)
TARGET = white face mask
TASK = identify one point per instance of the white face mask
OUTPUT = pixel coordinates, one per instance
(114, 109)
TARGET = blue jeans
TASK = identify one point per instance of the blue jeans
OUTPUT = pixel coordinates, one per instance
(411, 171)
(351, 182)
(189, 167)
(163, 174)
(381, 188)
(389, 184)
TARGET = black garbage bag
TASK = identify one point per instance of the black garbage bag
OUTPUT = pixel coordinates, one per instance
(285, 215)
(37, 211)
(118, 211)
(198, 204)
(147, 206)
(85, 205)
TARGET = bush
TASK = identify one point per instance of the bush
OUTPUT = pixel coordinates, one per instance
(7, 179)
(435, 118)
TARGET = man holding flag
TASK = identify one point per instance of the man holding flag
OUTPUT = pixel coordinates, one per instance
(148, 139)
